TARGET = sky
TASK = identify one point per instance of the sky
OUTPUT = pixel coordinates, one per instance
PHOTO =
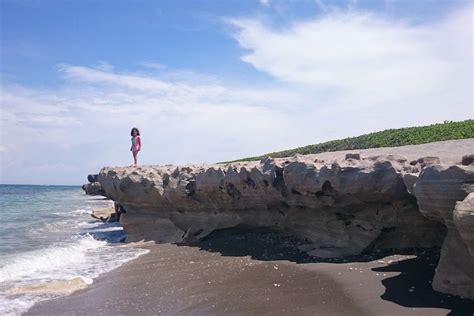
(207, 81)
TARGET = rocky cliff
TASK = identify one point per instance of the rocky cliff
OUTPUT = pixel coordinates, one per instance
(339, 205)
(446, 193)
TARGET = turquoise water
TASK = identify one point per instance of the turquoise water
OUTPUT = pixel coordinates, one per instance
(47, 234)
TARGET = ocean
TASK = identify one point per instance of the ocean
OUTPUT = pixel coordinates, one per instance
(47, 234)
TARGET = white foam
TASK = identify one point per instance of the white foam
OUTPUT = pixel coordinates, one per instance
(44, 260)
(87, 258)
(67, 253)
(108, 229)
(87, 280)
(75, 213)
(16, 306)
(85, 225)
(81, 212)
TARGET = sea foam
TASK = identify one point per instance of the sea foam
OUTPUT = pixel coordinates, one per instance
(39, 262)
(50, 241)
(86, 259)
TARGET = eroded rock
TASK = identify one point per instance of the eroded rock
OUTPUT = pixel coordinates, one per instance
(352, 156)
(93, 189)
(93, 178)
(464, 221)
(467, 160)
(340, 208)
(444, 194)
(428, 161)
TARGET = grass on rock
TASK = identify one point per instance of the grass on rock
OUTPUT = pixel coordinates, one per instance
(448, 130)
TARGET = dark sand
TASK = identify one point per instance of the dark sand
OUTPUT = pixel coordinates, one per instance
(261, 273)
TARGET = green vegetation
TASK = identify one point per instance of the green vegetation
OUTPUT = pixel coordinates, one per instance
(387, 138)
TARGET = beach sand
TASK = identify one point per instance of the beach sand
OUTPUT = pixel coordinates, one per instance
(253, 273)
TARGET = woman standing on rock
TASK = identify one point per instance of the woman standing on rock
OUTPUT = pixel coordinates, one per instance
(136, 144)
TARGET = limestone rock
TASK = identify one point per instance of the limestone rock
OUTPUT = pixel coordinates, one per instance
(444, 194)
(352, 156)
(93, 178)
(340, 208)
(440, 186)
(410, 179)
(428, 161)
(464, 221)
(93, 189)
(467, 160)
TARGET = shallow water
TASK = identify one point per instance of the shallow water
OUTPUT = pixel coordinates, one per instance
(47, 234)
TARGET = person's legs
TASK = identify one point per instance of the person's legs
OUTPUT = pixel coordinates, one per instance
(117, 211)
(135, 157)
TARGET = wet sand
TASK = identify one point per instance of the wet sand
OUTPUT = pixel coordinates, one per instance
(261, 273)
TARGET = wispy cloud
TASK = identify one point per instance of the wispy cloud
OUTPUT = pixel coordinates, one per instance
(370, 61)
(356, 49)
(181, 121)
(340, 74)
(152, 65)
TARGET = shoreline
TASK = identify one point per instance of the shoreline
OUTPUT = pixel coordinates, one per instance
(185, 280)
(243, 270)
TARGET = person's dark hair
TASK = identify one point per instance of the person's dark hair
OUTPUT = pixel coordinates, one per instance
(135, 129)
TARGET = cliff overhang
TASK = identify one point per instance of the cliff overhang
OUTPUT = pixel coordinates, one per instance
(339, 207)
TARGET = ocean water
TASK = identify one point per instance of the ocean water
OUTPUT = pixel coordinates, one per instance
(47, 234)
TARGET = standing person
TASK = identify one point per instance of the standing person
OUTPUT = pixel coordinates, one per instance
(119, 210)
(136, 144)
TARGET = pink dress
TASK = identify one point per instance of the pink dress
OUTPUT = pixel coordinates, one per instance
(136, 143)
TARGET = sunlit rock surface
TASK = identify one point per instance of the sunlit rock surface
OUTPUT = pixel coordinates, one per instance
(339, 204)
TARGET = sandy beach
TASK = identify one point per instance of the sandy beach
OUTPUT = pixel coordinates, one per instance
(261, 273)
(253, 271)
(216, 157)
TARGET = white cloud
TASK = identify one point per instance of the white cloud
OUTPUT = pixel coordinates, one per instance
(370, 62)
(86, 124)
(265, 3)
(341, 74)
(147, 84)
(354, 49)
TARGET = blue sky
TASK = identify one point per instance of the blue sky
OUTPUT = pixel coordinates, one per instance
(215, 80)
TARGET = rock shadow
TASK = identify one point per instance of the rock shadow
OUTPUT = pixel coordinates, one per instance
(267, 244)
(412, 287)
(259, 243)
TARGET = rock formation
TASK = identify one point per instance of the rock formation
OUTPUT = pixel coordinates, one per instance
(93, 178)
(339, 206)
(93, 187)
(444, 194)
